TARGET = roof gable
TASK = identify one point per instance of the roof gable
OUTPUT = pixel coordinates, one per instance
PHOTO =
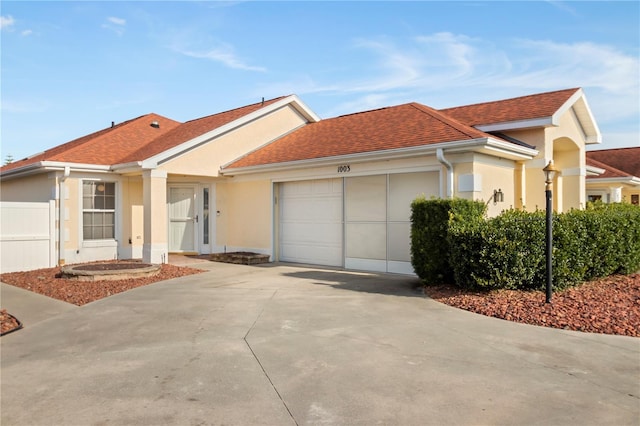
(508, 110)
(403, 126)
(539, 110)
(192, 129)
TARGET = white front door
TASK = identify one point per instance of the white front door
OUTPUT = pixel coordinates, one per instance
(182, 219)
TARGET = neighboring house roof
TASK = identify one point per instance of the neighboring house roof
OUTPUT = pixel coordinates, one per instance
(626, 160)
(604, 170)
(403, 126)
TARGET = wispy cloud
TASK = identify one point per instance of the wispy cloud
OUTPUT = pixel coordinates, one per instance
(24, 106)
(117, 21)
(26, 33)
(561, 5)
(117, 25)
(450, 68)
(7, 23)
(222, 53)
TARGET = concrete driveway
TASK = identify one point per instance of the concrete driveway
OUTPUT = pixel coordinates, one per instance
(283, 345)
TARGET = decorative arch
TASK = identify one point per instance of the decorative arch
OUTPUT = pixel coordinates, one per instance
(569, 186)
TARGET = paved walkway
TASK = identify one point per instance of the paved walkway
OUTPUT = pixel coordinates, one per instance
(29, 307)
(280, 344)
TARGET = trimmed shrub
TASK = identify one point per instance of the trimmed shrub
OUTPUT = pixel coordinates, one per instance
(508, 251)
(503, 252)
(429, 227)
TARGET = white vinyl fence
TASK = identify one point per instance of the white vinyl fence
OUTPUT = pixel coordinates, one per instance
(27, 236)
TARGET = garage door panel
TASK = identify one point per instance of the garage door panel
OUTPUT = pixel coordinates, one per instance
(405, 187)
(311, 233)
(367, 240)
(400, 242)
(328, 209)
(315, 253)
(366, 198)
(311, 222)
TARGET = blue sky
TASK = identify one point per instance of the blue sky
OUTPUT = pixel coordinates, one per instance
(71, 68)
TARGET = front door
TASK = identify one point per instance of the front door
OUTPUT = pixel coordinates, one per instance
(182, 219)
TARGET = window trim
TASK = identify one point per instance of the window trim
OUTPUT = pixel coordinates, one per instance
(103, 242)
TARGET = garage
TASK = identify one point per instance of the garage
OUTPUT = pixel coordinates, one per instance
(360, 222)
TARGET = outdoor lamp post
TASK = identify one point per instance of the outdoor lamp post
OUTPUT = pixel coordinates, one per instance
(549, 173)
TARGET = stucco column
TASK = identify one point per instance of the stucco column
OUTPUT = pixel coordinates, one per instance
(154, 189)
(615, 194)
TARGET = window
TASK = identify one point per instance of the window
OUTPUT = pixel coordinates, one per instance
(205, 213)
(98, 210)
(635, 199)
(594, 198)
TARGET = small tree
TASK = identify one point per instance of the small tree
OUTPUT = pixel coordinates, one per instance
(8, 159)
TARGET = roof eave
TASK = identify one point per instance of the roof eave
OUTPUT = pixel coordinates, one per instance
(489, 146)
(516, 125)
(134, 166)
(628, 180)
(48, 166)
(594, 171)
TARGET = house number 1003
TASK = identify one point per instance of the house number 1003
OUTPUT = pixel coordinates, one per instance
(344, 169)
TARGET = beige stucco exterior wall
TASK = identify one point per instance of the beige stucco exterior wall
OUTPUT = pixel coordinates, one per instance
(569, 158)
(73, 221)
(564, 144)
(40, 187)
(490, 174)
(207, 159)
(628, 192)
(132, 216)
(246, 215)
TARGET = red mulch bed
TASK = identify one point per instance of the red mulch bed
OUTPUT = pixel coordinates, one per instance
(609, 306)
(8, 322)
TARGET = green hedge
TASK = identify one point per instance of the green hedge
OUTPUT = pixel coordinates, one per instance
(508, 251)
(429, 246)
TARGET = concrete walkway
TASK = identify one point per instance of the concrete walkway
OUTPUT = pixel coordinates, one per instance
(280, 344)
(30, 308)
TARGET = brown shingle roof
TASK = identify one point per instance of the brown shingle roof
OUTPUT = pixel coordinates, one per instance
(609, 171)
(192, 129)
(104, 147)
(626, 160)
(402, 126)
(136, 139)
(515, 109)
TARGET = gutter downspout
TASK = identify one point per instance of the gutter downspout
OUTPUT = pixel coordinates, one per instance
(447, 164)
(61, 216)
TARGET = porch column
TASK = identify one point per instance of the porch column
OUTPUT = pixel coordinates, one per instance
(154, 189)
(615, 194)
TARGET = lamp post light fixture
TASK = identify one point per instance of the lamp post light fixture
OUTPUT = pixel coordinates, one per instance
(549, 173)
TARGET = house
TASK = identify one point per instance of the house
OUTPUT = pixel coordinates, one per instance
(274, 178)
(613, 175)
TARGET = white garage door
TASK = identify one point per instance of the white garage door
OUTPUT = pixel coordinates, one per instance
(310, 228)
